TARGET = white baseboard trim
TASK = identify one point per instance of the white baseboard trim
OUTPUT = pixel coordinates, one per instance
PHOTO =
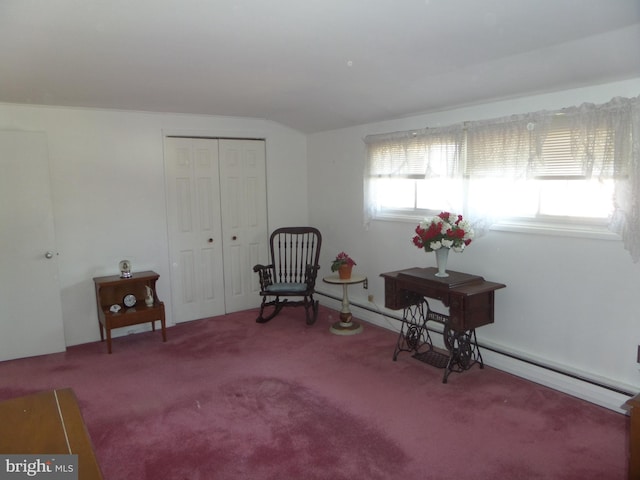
(565, 383)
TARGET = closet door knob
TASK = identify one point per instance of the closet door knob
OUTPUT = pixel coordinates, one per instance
(210, 240)
(234, 238)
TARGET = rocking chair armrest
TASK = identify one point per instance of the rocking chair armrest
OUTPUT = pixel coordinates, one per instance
(259, 267)
(264, 274)
(310, 274)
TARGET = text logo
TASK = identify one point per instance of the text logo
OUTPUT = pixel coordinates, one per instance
(50, 467)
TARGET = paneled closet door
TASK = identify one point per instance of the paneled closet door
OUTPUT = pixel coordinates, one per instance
(244, 220)
(194, 223)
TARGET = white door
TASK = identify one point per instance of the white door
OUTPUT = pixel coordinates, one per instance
(244, 220)
(30, 305)
(195, 242)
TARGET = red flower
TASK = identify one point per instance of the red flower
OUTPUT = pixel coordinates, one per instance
(458, 233)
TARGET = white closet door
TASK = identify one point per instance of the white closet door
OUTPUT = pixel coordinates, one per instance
(30, 305)
(195, 242)
(244, 219)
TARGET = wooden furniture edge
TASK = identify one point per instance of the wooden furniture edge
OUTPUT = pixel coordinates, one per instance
(49, 423)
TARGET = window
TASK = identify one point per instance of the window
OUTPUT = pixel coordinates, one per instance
(566, 167)
(411, 174)
(550, 173)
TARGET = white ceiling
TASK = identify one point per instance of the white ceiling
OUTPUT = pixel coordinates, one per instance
(309, 64)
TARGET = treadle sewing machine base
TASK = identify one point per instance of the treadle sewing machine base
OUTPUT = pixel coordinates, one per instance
(471, 304)
(462, 347)
(433, 358)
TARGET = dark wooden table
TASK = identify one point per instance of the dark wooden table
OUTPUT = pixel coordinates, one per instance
(111, 290)
(48, 423)
(470, 299)
(633, 406)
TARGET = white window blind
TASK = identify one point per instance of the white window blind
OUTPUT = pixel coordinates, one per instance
(503, 147)
(555, 158)
(400, 157)
(570, 151)
(418, 154)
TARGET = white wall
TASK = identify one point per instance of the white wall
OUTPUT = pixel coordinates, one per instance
(107, 179)
(569, 302)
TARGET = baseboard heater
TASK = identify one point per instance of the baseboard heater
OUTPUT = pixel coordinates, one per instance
(495, 350)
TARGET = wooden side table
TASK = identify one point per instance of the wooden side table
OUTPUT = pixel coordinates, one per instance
(633, 407)
(112, 289)
(346, 326)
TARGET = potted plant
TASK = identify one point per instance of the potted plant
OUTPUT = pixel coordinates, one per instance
(343, 264)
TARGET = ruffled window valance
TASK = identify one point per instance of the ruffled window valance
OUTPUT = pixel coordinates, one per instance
(604, 142)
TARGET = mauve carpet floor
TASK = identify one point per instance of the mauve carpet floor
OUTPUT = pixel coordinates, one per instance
(226, 398)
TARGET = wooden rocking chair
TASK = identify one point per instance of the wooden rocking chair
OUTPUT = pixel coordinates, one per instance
(295, 252)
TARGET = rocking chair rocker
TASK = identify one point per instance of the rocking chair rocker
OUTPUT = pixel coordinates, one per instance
(295, 252)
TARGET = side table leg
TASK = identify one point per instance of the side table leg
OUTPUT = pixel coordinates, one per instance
(345, 326)
(163, 326)
(108, 339)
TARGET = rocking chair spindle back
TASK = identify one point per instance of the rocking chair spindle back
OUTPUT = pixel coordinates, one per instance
(295, 253)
